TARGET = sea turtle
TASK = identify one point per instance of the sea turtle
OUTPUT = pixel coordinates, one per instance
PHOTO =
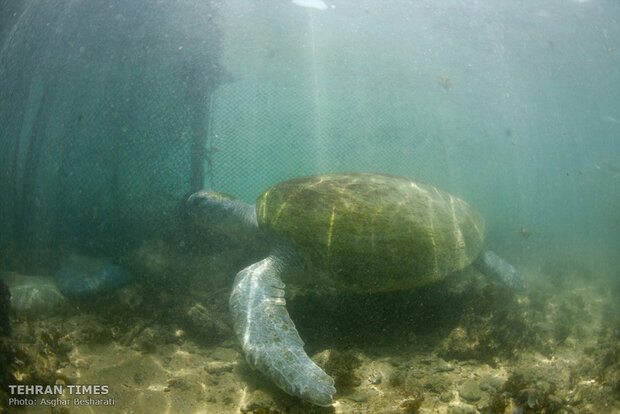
(367, 232)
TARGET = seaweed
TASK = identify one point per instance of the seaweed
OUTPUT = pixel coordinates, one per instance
(531, 395)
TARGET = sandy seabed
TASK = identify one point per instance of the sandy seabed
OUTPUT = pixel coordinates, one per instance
(466, 347)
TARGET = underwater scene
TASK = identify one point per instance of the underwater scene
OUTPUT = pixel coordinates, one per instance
(309, 206)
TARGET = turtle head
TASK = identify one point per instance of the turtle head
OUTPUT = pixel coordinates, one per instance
(210, 206)
(221, 212)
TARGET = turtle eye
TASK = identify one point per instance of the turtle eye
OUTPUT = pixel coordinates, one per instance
(210, 205)
(201, 203)
(197, 201)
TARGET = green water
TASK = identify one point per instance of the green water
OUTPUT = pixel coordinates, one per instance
(113, 112)
(526, 131)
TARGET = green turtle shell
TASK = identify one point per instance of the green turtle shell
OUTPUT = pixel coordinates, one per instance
(373, 232)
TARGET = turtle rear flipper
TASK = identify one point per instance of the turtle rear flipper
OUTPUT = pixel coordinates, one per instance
(492, 265)
(268, 336)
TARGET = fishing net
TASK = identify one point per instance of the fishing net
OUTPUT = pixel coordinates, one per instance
(103, 117)
(325, 91)
(111, 112)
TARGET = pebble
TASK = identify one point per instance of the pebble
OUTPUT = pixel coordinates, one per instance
(224, 354)
(80, 363)
(446, 396)
(418, 374)
(357, 396)
(438, 384)
(375, 378)
(461, 409)
(218, 367)
(470, 390)
(492, 383)
(443, 366)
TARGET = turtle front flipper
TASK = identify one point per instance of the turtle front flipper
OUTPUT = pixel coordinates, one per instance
(268, 336)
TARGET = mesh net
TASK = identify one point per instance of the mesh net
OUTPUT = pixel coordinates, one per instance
(112, 111)
(317, 92)
(103, 118)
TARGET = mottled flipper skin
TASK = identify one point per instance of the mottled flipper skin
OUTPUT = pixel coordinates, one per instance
(268, 336)
(494, 266)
